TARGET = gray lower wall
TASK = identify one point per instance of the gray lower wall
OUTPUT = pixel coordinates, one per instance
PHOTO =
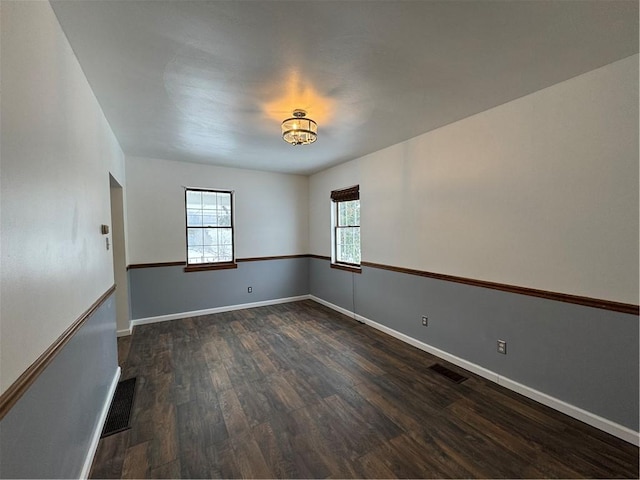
(47, 434)
(584, 356)
(332, 285)
(168, 290)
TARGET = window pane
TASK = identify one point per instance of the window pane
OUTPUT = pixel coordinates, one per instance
(348, 245)
(340, 236)
(225, 253)
(210, 253)
(342, 218)
(209, 218)
(224, 218)
(210, 236)
(209, 200)
(225, 236)
(194, 254)
(194, 237)
(224, 200)
(348, 206)
(349, 213)
(194, 217)
(194, 199)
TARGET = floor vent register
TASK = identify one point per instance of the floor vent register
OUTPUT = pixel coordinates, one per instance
(446, 372)
(119, 415)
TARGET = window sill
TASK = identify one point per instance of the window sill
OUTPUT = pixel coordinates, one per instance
(347, 268)
(210, 266)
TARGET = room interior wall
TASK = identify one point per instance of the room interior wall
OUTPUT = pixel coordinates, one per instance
(57, 152)
(270, 220)
(270, 209)
(542, 193)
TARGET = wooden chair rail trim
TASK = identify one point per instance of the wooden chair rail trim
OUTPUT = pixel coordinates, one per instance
(277, 257)
(319, 257)
(532, 292)
(238, 260)
(18, 388)
(154, 265)
(620, 307)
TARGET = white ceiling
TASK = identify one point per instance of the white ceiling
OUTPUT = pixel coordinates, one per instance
(210, 82)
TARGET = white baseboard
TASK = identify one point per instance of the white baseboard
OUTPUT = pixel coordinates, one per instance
(589, 418)
(585, 416)
(123, 333)
(95, 438)
(209, 311)
(343, 311)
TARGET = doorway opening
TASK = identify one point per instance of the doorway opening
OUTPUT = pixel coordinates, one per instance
(119, 258)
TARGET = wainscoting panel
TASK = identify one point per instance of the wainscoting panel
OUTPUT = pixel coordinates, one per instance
(51, 431)
(334, 286)
(166, 290)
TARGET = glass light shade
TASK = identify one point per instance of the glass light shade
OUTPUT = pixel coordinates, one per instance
(299, 130)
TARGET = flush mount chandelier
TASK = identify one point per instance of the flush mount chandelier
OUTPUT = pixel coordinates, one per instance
(299, 130)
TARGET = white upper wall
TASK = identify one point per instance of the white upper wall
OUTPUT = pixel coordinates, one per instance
(541, 192)
(57, 151)
(270, 216)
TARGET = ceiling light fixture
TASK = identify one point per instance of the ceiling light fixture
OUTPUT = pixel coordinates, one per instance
(299, 130)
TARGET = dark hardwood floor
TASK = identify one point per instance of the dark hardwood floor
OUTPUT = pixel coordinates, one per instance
(300, 391)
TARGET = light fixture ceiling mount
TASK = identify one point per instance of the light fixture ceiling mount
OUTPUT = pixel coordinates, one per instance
(299, 130)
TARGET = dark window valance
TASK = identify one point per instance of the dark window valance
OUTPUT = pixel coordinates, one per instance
(346, 194)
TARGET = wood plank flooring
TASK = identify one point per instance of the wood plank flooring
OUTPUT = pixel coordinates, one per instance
(300, 391)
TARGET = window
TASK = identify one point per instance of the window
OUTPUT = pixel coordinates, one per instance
(209, 227)
(346, 233)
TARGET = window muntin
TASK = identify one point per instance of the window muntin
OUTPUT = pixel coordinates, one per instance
(209, 215)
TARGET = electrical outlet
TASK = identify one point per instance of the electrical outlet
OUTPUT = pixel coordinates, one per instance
(249, 289)
(502, 347)
(425, 321)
